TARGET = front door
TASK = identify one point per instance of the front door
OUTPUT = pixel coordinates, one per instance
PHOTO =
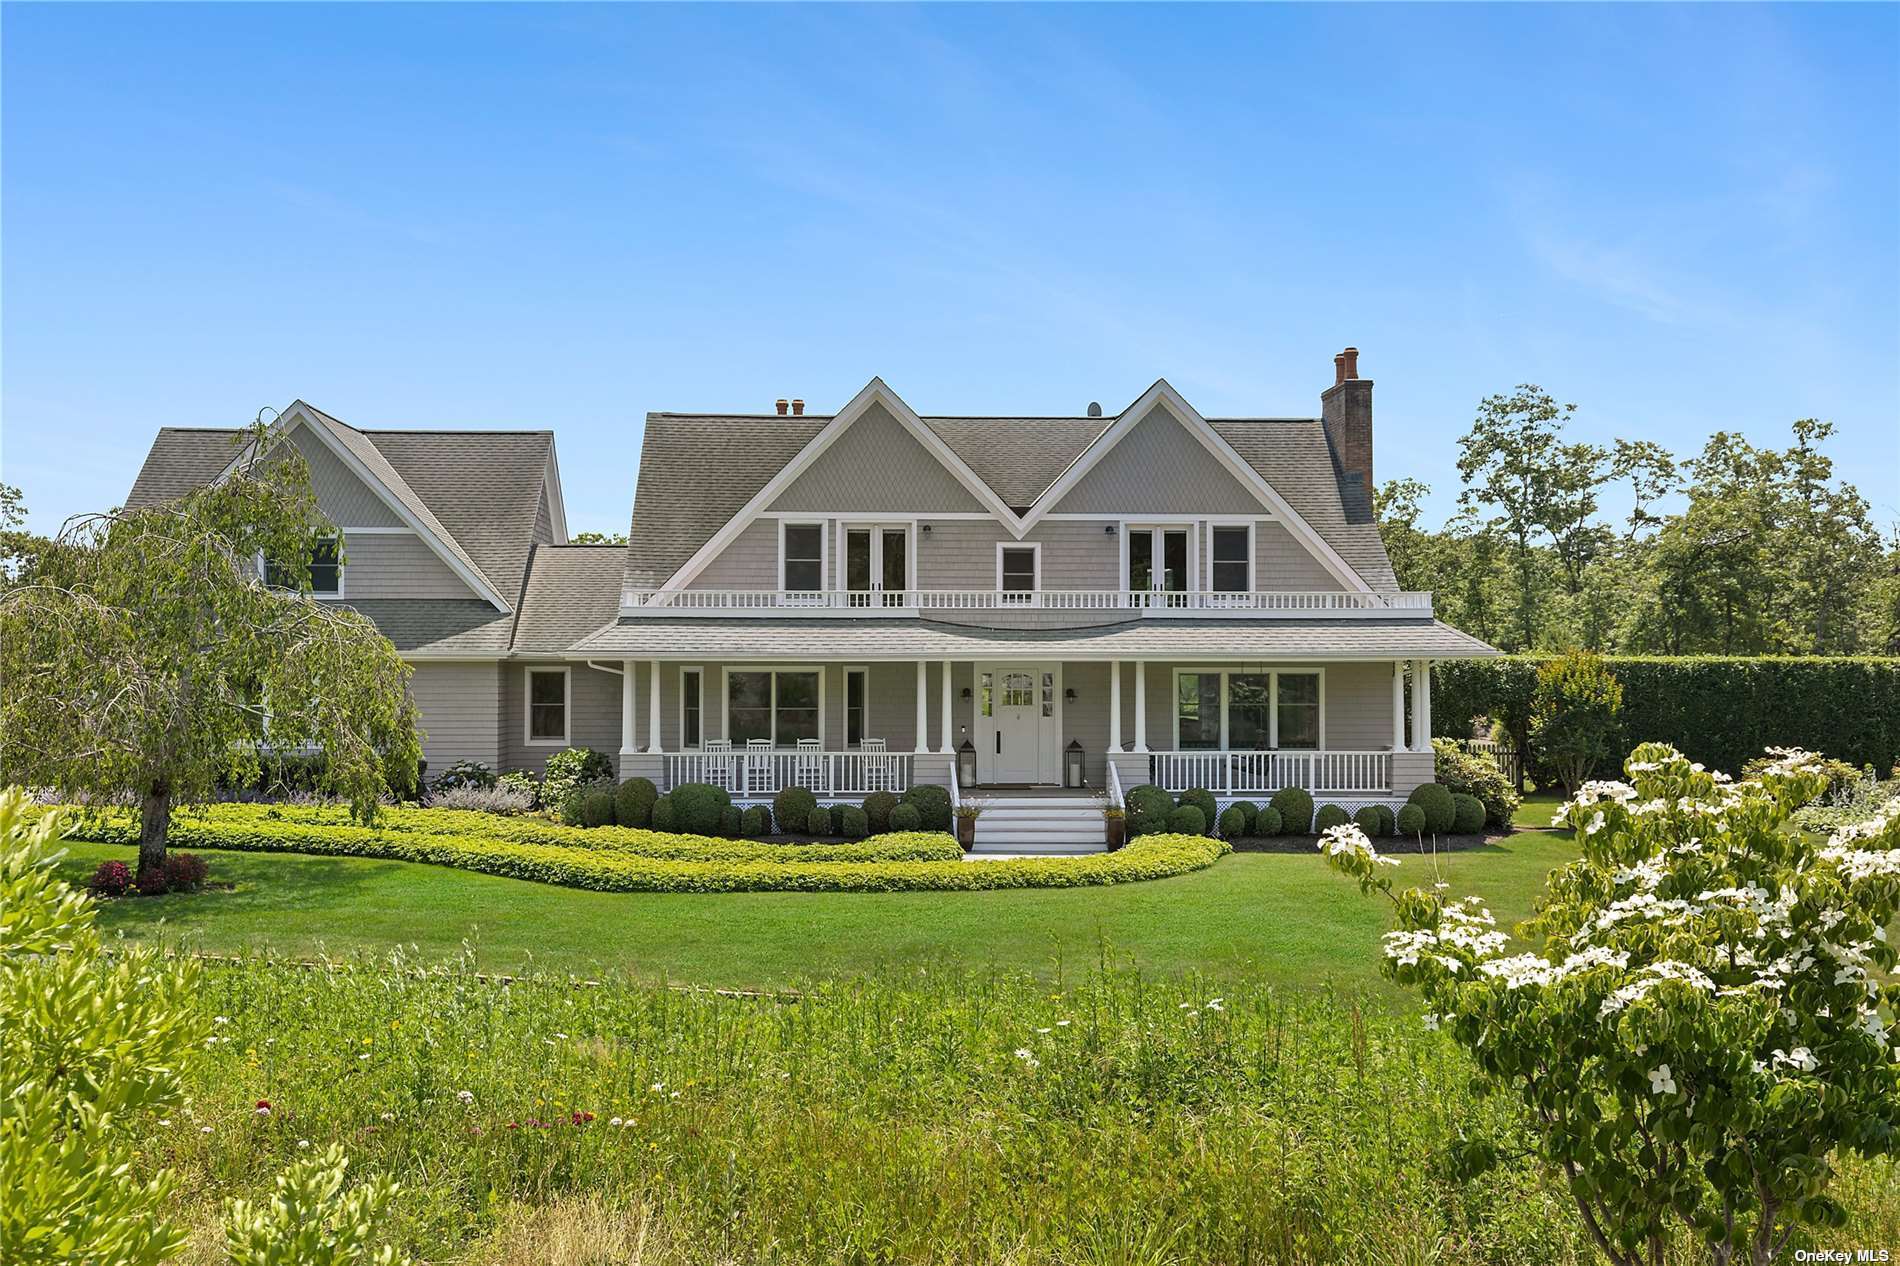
(1015, 717)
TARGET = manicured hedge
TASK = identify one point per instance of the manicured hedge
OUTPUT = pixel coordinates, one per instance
(1716, 709)
(617, 870)
(223, 824)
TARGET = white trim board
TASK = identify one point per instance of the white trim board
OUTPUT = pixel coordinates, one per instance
(300, 414)
(874, 392)
(1165, 396)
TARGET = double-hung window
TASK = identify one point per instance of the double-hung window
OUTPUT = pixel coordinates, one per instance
(692, 707)
(322, 568)
(1232, 560)
(778, 705)
(547, 701)
(803, 558)
(1017, 568)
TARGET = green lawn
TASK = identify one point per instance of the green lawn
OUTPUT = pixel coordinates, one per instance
(1282, 918)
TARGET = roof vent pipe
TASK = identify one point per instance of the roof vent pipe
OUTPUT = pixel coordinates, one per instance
(781, 402)
(798, 408)
(1095, 409)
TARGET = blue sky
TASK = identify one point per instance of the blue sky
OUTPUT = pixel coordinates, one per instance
(1683, 219)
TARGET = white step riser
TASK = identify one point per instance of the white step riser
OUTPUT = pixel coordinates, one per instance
(1042, 824)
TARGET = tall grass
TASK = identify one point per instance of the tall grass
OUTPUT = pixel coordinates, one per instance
(954, 1116)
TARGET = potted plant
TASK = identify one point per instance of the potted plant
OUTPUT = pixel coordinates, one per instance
(968, 811)
(1114, 824)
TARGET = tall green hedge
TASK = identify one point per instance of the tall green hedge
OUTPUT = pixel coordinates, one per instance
(1720, 710)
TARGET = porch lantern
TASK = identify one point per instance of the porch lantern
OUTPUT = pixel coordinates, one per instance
(966, 764)
(1072, 765)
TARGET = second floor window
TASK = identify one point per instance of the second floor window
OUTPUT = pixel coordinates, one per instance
(323, 568)
(1230, 560)
(1017, 573)
(804, 557)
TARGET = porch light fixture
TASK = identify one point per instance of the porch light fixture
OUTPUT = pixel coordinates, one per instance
(1072, 769)
(966, 764)
(966, 692)
(1110, 529)
(926, 529)
(1068, 694)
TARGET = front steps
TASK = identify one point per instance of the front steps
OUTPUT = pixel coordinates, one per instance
(1039, 826)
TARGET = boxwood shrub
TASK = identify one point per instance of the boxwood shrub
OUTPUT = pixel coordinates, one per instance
(1328, 817)
(905, 817)
(933, 805)
(1440, 813)
(791, 809)
(753, 822)
(877, 810)
(620, 870)
(818, 821)
(1203, 799)
(1467, 814)
(1267, 821)
(699, 808)
(633, 802)
(1148, 808)
(1233, 822)
(1370, 820)
(597, 805)
(1187, 820)
(1411, 820)
(663, 815)
(732, 822)
(1295, 808)
(852, 824)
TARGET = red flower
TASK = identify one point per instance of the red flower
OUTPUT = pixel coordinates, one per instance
(582, 1118)
(513, 1125)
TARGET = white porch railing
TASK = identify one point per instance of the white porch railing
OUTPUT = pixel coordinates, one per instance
(1332, 772)
(911, 602)
(765, 773)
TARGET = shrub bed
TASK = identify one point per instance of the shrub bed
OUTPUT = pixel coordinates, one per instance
(620, 870)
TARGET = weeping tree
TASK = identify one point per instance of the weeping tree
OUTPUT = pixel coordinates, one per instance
(148, 656)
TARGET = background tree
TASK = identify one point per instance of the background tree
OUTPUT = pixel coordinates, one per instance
(1574, 716)
(145, 656)
(598, 538)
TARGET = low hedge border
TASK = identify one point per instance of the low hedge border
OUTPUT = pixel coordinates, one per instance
(255, 833)
(615, 870)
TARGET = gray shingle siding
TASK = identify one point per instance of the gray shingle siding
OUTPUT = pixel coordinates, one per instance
(379, 565)
(878, 467)
(460, 712)
(1158, 468)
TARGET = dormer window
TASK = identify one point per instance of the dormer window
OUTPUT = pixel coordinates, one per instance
(1018, 569)
(323, 569)
(1232, 564)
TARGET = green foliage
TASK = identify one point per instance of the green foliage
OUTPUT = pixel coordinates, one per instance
(1328, 817)
(597, 805)
(1202, 799)
(572, 768)
(1295, 807)
(852, 822)
(1373, 822)
(1467, 814)
(1411, 820)
(1703, 1026)
(792, 809)
(1252, 813)
(933, 805)
(1474, 774)
(753, 823)
(91, 1053)
(522, 783)
(1575, 711)
(699, 808)
(1148, 808)
(819, 823)
(138, 654)
(731, 822)
(463, 773)
(1268, 821)
(615, 859)
(633, 802)
(1436, 803)
(312, 1219)
(1187, 820)
(905, 818)
(1233, 822)
(877, 810)
(664, 819)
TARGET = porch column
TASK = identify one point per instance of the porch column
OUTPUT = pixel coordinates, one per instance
(627, 747)
(1425, 719)
(923, 705)
(1141, 705)
(943, 727)
(1114, 705)
(653, 705)
(1418, 702)
(1398, 705)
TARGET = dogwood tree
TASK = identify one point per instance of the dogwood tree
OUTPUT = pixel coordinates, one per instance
(146, 655)
(1699, 1028)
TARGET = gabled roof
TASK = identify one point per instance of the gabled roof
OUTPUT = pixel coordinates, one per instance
(698, 471)
(475, 491)
(572, 591)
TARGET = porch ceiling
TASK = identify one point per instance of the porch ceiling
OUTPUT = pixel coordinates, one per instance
(648, 638)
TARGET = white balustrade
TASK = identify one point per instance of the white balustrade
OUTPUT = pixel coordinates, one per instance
(1236, 773)
(1310, 603)
(756, 773)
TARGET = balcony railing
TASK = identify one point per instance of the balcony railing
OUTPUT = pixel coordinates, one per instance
(1337, 773)
(1322, 603)
(756, 772)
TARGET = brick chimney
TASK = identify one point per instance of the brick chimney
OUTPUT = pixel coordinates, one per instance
(1346, 407)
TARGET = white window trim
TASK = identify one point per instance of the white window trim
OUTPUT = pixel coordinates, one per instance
(263, 570)
(1034, 547)
(844, 704)
(876, 527)
(824, 553)
(1273, 676)
(527, 705)
(1253, 552)
(684, 669)
(725, 697)
(1191, 526)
